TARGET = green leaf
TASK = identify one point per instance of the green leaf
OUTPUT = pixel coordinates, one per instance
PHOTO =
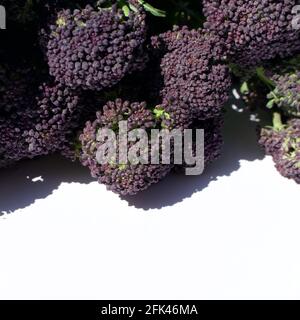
(133, 8)
(270, 104)
(262, 76)
(156, 12)
(126, 10)
(160, 113)
(244, 88)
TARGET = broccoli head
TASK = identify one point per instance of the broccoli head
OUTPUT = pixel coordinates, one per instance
(282, 142)
(127, 178)
(195, 75)
(254, 30)
(95, 48)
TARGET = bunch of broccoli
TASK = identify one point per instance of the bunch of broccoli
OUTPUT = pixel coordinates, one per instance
(80, 66)
(274, 88)
(254, 31)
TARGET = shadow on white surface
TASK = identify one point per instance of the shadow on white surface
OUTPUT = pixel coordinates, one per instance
(240, 143)
(30, 180)
(23, 184)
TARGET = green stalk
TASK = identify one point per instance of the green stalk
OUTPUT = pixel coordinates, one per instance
(277, 122)
(260, 71)
(156, 12)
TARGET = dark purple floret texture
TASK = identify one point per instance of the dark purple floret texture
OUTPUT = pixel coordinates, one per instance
(58, 111)
(69, 69)
(124, 179)
(18, 89)
(270, 140)
(195, 75)
(273, 92)
(286, 94)
(174, 39)
(213, 140)
(284, 146)
(95, 49)
(254, 30)
(41, 128)
(13, 145)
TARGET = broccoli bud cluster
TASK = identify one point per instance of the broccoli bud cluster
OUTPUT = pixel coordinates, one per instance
(94, 62)
(58, 111)
(187, 83)
(95, 48)
(127, 178)
(195, 79)
(213, 140)
(174, 39)
(275, 88)
(35, 119)
(43, 127)
(283, 144)
(13, 145)
(199, 78)
(286, 94)
(254, 30)
(18, 89)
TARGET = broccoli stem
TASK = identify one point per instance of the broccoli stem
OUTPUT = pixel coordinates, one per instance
(277, 121)
(262, 76)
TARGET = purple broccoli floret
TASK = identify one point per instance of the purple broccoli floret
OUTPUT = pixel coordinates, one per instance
(124, 179)
(282, 142)
(96, 48)
(254, 30)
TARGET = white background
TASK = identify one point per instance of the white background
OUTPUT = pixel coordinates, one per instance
(233, 233)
